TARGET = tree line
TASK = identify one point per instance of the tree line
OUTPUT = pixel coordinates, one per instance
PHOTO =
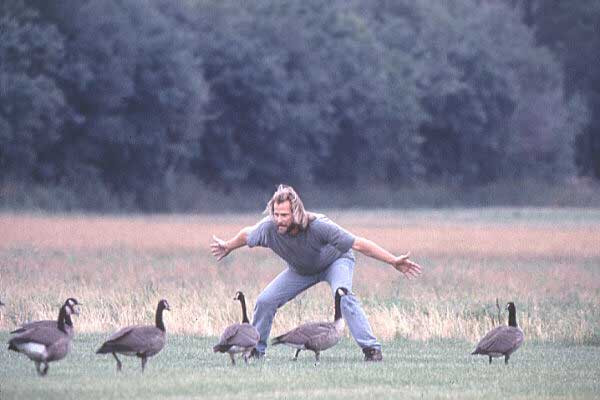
(134, 97)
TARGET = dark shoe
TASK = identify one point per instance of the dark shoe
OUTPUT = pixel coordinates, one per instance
(372, 354)
(256, 354)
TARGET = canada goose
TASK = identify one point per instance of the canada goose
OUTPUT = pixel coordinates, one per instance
(502, 340)
(142, 341)
(44, 343)
(70, 303)
(316, 336)
(238, 338)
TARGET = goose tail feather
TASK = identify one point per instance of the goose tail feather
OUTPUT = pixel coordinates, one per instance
(221, 348)
(277, 340)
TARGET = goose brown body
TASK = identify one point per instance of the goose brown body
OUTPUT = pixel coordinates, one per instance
(316, 336)
(45, 342)
(502, 340)
(240, 337)
(141, 341)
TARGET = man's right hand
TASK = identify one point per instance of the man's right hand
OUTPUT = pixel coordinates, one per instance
(407, 267)
(219, 248)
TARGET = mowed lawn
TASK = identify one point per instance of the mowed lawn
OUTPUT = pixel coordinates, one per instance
(545, 260)
(412, 370)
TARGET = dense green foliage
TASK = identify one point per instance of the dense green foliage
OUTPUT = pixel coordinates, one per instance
(136, 99)
(571, 30)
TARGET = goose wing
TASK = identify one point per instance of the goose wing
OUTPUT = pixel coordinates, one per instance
(45, 335)
(122, 333)
(228, 333)
(324, 336)
(148, 340)
(307, 333)
(501, 340)
(244, 335)
(45, 323)
(33, 324)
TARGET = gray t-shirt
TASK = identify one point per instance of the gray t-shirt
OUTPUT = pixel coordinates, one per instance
(308, 252)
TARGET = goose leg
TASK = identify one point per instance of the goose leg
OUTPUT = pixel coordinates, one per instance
(37, 368)
(490, 359)
(506, 357)
(119, 365)
(317, 358)
(45, 370)
(144, 359)
(296, 356)
(232, 358)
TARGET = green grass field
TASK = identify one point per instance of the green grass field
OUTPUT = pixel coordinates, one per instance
(545, 260)
(412, 370)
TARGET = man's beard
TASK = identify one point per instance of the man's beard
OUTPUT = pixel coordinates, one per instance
(291, 228)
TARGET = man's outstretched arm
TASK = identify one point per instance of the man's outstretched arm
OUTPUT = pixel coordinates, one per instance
(221, 248)
(401, 263)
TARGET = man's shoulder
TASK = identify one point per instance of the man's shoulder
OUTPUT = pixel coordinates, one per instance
(261, 233)
(313, 216)
(320, 221)
(265, 223)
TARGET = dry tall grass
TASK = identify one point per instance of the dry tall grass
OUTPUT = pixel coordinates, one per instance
(119, 267)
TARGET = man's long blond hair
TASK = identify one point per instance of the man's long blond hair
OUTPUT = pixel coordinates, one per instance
(300, 217)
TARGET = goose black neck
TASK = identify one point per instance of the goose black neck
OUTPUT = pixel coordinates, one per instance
(244, 313)
(62, 318)
(512, 317)
(68, 320)
(159, 317)
(338, 306)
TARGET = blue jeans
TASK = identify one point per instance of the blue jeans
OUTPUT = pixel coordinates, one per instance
(288, 284)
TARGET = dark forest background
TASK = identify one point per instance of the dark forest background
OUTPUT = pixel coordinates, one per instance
(173, 105)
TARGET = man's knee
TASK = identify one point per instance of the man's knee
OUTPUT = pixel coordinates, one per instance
(265, 303)
(349, 304)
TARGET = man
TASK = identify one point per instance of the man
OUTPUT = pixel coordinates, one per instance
(315, 250)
